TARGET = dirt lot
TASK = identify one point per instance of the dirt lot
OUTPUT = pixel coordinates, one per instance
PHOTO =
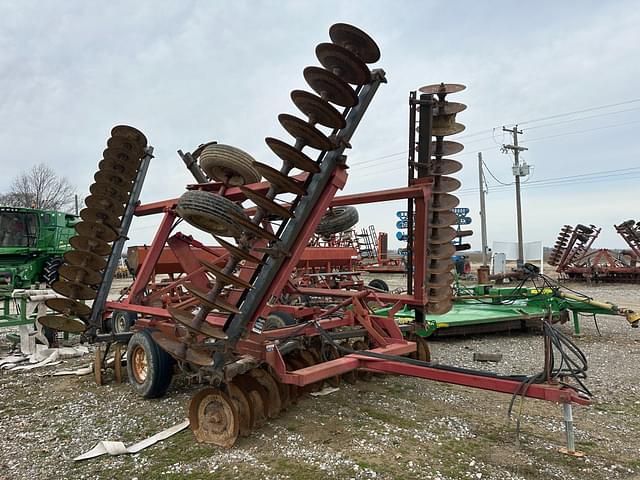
(391, 427)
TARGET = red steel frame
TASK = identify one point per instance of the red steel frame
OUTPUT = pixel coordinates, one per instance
(383, 331)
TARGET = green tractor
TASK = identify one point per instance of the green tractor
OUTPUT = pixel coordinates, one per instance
(32, 243)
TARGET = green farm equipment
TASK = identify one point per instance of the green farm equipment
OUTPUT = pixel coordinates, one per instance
(485, 308)
(32, 243)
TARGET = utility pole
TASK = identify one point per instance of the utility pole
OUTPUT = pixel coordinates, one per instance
(519, 170)
(483, 214)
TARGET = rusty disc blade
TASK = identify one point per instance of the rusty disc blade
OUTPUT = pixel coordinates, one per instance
(274, 405)
(443, 202)
(440, 294)
(279, 179)
(214, 417)
(77, 273)
(257, 396)
(441, 166)
(113, 179)
(343, 63)
(118, 167)
(439, 252)
(330, 87)
(250, 228)
(356, 41)
(294, 391)
(447, 147)
(187, 319)
(283, 388)
(362, 374)
(216, 303)
(441, 235)
(422, 352)
(102, 202)
(63, 323)
(304, 131)
(96, 230)
(294, 364)
(439, 308)
(224, 278)
(440, 279)
(268, 205)
(446, 109)
(120, 195)
(318, 110)
(99, 216)
(443, 219)
(74, 290)
(442, 88)
(84, 258)
(132, 134)
(445, 184)
(69, 307)
(328, 353)
(182, 352)
(93, 245)
(245, 413)
(447, 130)
(126, 145)
(292, 156)
(440, 266)
(122, 153)
(237, 252)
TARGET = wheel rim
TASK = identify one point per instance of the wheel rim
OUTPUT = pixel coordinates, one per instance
(120, 324)
(139, 364)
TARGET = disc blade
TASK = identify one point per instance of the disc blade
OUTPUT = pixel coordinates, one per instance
(237, 252)
(438, 252)
(274, 404)
(330, 87)
(343, 63)
(96, 230)
(447, 130)
(187, 319)
(113, 179)
(224, 278)
(280, 180)
(447, 147)
(445, 184)
(440, 266)
(99, 216)
(216, 303)
(443, 202)
(69, 307)
(243, 405)
(214, 418)
(63, 323)
(118, 194)
(442, 88)
(251, 228)
(85, 258)
(292, 156)
(307, 133)
(443, 166)
(92, 245)
(440, 279)
(318, 110)
(441, 235)
(129, 133)
(439, 308)
(356, 41)
(181, 351)
(268, 205)
(79, 274)
(76, 291)
(102, 202)
(443, 219)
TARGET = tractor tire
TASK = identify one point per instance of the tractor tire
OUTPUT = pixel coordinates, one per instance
(337, 219)
(149, 367)
(121, 321)
(379, 284)
(228, 164)
(278, 319)
(210, 212)
(50, 270)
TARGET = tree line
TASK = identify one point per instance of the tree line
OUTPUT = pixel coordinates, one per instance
(42, 188)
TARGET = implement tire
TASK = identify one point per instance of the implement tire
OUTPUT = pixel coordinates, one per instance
(209, 212)
(149, 367)
(228, 164)
(337, 219)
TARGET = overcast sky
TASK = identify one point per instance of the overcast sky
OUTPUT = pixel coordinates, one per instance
(186, 72)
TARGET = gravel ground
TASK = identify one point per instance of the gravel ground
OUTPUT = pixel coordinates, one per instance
(391, 427)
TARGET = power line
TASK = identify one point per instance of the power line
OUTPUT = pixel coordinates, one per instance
(494, 177)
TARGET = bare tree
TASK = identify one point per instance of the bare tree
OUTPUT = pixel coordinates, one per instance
(40, 187)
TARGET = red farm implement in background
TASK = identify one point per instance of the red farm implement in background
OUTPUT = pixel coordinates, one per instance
(211, 317)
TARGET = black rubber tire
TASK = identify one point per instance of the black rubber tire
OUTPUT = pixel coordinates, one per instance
(121, 321)
(209, 212)
(159, 366)
(230, 164)
(337, 219)
(379, 284)
(277, 319)
(50, 270)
